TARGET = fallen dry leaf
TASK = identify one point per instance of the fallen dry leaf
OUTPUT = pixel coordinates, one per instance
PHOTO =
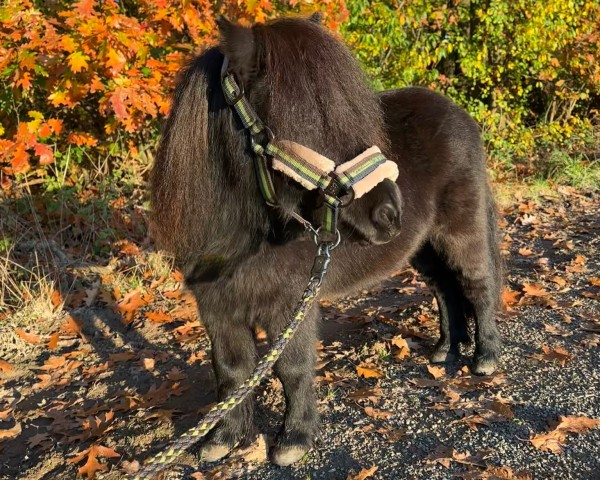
(368, 371)
(28, 337)
(38, 439)
(561, 282)
(148, 363)
(494, 473)
(56, 299)
(92, 465)
(558, 354)
(121, 356)
(402, 345)
(444, 455)
(159, 317)
(130, 304)
(73, 327)
(367, 393)
(534, 290)
(436, 372)
(130, 467)
(257, 452)
(10, 432)
(377, 414)
(558, 331)
(53, 341)
(363, 474)
(5, 366)
(553, 440)
(509, 298)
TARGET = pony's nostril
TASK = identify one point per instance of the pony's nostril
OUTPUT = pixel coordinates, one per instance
(385, 216)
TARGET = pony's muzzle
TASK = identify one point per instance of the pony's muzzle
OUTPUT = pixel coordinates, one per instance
(386, 217)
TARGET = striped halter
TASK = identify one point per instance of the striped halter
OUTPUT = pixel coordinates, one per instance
(351, 179)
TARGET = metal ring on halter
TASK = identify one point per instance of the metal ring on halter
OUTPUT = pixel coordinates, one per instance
(349, 195)
(270, 136)
(338, 237)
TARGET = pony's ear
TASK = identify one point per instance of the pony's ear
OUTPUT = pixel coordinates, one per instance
(238, 45)
(316, 17)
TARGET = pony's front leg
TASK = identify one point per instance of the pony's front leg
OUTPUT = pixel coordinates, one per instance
(295, 368)
(234, 358)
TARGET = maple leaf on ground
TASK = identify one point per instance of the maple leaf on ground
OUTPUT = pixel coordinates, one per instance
(534, 290)
(13, 429)
(561, 282)
(494, 473)
(509, 298)
(130, 303)
(363, 474)
(403, 348)
(175, 374)
(558, 354)
(38, 439)
(436, 372)
(28, 337)
(92, 465)
(5, 366)
(367, 393)
(53, 341)
(552, 441)
(368, 371)
(377, 414)
(444, 455)
(73, 327)
(159, 317)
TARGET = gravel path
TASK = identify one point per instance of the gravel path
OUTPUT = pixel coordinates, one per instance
(402, 421)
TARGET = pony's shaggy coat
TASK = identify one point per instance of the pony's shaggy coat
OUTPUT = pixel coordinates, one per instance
(247, 263)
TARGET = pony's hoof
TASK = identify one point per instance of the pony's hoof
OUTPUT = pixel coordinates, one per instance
(484, 365)
(285, 456)
(213, 452)
(444, 356)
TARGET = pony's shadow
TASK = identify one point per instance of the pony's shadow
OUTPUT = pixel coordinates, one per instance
(103, 332)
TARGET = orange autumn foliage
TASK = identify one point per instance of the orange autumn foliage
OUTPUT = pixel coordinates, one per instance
(89, 73)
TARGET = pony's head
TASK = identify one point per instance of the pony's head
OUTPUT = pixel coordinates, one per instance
(307, 88)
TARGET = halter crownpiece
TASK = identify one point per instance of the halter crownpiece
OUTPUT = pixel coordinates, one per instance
(310, 169)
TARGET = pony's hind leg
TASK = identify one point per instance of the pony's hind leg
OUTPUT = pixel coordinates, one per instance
(472, 256)
(234, 358)
(295, 368)
(448, 293)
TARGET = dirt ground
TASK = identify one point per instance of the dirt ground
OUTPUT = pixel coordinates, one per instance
(111, 377)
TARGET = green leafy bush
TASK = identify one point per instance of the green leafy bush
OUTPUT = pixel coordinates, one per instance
(528, 71)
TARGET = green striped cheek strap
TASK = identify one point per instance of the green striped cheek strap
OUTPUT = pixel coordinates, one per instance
(310, 169)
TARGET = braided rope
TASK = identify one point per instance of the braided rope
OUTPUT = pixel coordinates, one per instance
(160, 461)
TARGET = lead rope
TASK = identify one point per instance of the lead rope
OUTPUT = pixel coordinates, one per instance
(161, 460)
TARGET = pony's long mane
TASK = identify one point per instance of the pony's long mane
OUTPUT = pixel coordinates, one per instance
(309, 89)
(203, 185)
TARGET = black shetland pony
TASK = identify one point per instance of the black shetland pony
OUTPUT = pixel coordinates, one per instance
(247, 263)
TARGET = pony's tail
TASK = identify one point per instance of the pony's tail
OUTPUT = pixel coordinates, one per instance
(179, 195)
